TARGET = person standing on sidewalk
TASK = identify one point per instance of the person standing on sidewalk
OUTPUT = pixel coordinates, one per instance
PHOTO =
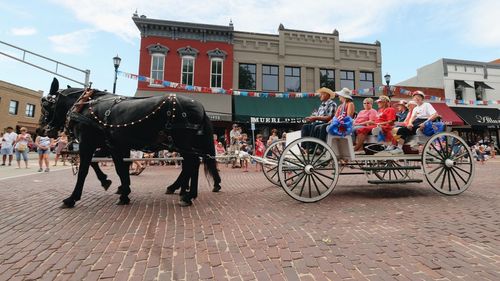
(21, 147)
(43, 144)
(61, 143)
(8, 139)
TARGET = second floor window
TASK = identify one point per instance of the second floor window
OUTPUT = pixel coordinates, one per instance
(157, 68)
(480, 91)
(216, 73)
(246, 76)
(292, 79)
(366, 81)
(270, 78)
(187, 76)
(327, 78)
(347, 79)
(13, 106)
(30, 110)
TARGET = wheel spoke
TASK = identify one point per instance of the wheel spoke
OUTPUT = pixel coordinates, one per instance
(460, 156)
(303, 185)
(297, 182)
(289, 162)
(454, 178)
(325, 176)
(449, 179)
(315, 184)
(319, 158)
(467, 172)
(309, 185)
(444, 178)
(315, 176)
(297, 157)
(439, 152)
(433, 170)
(439, 174)
(458, 174)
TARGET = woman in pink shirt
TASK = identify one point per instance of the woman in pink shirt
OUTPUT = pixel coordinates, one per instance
(365, 115)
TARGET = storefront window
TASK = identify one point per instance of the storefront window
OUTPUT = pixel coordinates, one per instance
(366, 81)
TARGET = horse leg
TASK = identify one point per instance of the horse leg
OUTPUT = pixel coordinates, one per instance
(103, 178)
(86, 153)
(193, 166)
(122, 169)
(180, 182)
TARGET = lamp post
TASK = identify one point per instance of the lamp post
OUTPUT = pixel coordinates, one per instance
(387, 78)
(116, 62)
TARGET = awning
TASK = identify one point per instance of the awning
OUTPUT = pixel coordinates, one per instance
(448, 116)
(218, 107)
(463, 84)
(484, 85)
(479, 116)
(273, 110)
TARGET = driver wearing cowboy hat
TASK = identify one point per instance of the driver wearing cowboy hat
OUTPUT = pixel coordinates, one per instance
(322, 114)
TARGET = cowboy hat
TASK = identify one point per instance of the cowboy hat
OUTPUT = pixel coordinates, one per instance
(345, 92)
(420, 93)
(383, 98)
(326, 91)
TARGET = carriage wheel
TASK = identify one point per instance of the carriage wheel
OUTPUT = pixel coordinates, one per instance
(391, 174)
(308, 169)
(271, 157)
(448, 164)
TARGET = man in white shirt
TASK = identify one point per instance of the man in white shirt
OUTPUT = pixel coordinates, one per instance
(8, 139)
(422, 113)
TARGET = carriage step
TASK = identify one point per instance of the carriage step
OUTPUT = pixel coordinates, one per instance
(391, 168)
(394, 181)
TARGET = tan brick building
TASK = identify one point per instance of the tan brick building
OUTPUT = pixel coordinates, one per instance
(19, 107)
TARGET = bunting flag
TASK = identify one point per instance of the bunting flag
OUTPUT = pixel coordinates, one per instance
(288, 95)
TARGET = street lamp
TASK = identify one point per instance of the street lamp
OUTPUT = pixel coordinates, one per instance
(387, 78)
(116, 62)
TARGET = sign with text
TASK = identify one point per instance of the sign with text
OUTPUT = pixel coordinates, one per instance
(273, 120)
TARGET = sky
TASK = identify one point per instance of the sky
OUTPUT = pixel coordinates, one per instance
(87, 34)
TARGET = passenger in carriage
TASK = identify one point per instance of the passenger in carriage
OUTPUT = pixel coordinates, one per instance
(384, 123)
(422, 113)
(346, 108)
(402, 107)
(410, 105)
(368, 114)
(322, 114)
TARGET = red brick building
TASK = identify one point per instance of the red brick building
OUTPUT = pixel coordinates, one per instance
(188, 53)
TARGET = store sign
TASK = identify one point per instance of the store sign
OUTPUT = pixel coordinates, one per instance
(219, 117)
(486, 119)
(271, 120)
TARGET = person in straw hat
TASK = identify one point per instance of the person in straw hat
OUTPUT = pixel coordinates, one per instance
(322, 114)
(384, 122)
(346, 108)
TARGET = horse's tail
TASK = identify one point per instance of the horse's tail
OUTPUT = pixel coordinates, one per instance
(210, 166)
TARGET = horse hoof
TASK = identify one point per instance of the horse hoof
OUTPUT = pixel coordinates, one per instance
(119, 190)
(68, 203)
(170, 190)
(123, 202)
(217, 188)
(106, 184)
(183, 203)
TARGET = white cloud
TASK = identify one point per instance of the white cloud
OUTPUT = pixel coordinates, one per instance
(482, 26)
(354, 19)
(23, 31)
(76, 42)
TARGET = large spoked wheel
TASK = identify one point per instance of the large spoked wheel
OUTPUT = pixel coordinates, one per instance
(392, 173)
(270, 163)
(448, 164)
(308, 169)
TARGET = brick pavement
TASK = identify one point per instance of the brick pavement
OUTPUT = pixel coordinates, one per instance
(250, 231)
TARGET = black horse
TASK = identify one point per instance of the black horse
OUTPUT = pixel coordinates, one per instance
(116, 123)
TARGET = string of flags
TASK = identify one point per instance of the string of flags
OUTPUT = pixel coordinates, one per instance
(355, 92)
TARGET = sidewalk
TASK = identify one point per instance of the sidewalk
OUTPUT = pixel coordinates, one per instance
(7, 172)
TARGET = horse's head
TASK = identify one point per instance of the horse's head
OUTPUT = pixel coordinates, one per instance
(55, 106)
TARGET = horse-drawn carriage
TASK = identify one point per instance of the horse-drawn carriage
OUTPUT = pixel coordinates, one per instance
(308, 168)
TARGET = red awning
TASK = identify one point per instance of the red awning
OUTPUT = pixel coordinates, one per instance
(448, 116)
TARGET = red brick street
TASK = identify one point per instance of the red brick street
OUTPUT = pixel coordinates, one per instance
(251, 230)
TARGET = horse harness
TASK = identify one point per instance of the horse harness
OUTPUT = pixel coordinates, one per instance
(175, 120)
